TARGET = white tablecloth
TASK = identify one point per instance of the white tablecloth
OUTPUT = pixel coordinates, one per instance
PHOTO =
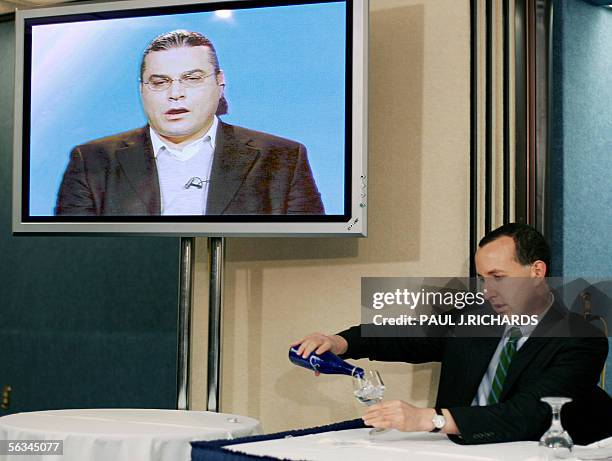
(123, 434)
(358, 445)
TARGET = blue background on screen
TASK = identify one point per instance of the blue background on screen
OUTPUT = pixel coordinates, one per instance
(284, 68)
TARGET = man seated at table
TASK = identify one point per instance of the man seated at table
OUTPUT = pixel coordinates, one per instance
(490, 387)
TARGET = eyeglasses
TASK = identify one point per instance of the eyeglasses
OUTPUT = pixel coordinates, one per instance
(162, 83)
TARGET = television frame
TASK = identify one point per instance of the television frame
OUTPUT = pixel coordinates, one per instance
(353, 223)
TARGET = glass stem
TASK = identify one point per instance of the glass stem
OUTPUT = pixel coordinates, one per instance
(556, 419)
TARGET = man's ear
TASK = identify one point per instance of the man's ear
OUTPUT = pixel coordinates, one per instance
(538, 269)
(221, 79)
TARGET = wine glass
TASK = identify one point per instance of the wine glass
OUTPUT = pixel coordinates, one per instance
(369, 390)
(556, 443)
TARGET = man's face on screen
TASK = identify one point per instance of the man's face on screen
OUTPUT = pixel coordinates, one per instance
(180, 92)
(510, 286)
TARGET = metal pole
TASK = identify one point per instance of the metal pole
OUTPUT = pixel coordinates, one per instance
(184, 319)
(215, 306)
(543, 84)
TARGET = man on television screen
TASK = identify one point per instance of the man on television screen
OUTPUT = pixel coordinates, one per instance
(187, 161)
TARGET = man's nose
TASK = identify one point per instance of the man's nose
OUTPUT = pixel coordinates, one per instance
(176, 90)
(488, 290)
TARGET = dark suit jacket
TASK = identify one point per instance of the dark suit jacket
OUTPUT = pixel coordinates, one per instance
(252, 173)
(546, 365)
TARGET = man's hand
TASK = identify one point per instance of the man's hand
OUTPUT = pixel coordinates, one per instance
(400, 415)
(319, 343)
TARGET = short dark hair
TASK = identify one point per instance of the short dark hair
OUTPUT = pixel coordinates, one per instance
(185, 38)
(529, 244)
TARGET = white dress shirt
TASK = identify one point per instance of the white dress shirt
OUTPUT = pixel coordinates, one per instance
(484, 389)
(177, 168)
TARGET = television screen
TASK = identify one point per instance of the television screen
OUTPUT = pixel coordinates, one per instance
(185, 118)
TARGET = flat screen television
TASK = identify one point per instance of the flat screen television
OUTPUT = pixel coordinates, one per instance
(180, 117)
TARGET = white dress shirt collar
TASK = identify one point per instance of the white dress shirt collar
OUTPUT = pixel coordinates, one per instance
(190, 149)
(526, 330)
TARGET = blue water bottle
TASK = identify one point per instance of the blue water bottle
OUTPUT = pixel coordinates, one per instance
(327, 363)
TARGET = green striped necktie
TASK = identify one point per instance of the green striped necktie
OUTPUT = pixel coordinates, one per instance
(504, 365)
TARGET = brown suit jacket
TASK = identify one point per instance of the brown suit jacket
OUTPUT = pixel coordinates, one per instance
(252, 173)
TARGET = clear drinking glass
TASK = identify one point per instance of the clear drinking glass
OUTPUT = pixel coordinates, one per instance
(556, 443)
(369, 390)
